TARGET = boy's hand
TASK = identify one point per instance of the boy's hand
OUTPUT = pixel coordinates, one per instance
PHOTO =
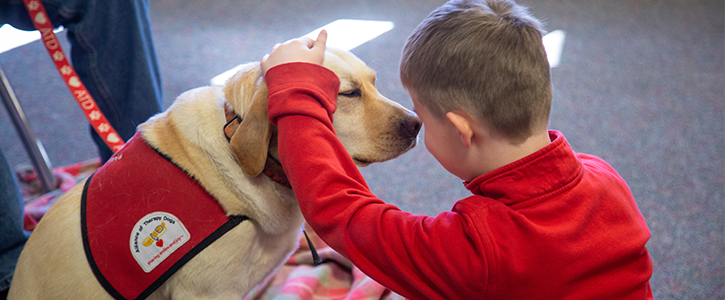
(296, 50)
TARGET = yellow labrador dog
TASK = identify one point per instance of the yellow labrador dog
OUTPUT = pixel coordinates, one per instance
(372, 128)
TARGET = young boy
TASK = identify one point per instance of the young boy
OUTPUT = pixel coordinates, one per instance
(543, 222)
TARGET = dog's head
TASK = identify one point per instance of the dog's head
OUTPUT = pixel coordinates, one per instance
(371, 127)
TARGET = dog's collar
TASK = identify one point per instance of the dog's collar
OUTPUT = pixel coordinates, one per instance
(272, 167)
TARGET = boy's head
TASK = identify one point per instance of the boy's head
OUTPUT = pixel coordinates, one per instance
(484, 57)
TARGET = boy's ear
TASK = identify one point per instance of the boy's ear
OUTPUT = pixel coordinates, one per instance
(463, 124)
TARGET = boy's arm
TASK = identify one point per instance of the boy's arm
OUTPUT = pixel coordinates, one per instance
(416, 256)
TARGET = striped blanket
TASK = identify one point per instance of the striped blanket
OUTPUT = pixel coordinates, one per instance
(334, 278)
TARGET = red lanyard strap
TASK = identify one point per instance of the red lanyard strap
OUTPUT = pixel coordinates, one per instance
(80, 93)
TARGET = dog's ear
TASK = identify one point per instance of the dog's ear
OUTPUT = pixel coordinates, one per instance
(250, 142)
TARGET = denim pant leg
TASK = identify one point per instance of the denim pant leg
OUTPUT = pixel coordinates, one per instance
(113, 53)
(12, 236)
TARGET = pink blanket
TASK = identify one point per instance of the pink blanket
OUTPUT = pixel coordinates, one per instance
(334, 278)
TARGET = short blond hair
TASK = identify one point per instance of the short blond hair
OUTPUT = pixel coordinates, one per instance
(485, 57)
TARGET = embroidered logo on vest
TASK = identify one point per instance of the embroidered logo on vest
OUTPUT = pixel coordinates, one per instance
(155, 237)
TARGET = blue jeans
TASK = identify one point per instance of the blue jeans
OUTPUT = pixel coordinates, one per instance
(113, 53)
(12, 236)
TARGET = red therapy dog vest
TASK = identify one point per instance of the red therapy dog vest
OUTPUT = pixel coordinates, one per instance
(143, 218)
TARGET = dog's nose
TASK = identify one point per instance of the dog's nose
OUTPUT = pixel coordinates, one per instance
(410, 126)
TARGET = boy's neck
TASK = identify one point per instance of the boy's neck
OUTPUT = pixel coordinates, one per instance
(500, 152)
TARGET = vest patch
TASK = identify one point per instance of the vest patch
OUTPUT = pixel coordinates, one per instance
(155, 237)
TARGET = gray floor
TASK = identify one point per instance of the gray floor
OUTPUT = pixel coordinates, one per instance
(640, 84)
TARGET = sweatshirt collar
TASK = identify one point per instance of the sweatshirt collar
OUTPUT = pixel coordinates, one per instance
(538, 176)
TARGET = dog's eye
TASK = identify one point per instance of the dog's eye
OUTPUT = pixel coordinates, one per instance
(351, 94)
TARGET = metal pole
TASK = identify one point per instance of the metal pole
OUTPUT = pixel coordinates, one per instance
(33, 146)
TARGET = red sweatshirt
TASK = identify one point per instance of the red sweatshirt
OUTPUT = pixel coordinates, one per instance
(553, 225)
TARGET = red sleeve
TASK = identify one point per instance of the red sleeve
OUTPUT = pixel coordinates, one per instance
(415, 256)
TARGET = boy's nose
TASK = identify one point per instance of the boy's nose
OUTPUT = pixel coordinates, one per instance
(410, 125)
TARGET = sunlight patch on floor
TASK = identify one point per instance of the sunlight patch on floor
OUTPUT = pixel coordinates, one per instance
(12, 38)
(345, 34)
